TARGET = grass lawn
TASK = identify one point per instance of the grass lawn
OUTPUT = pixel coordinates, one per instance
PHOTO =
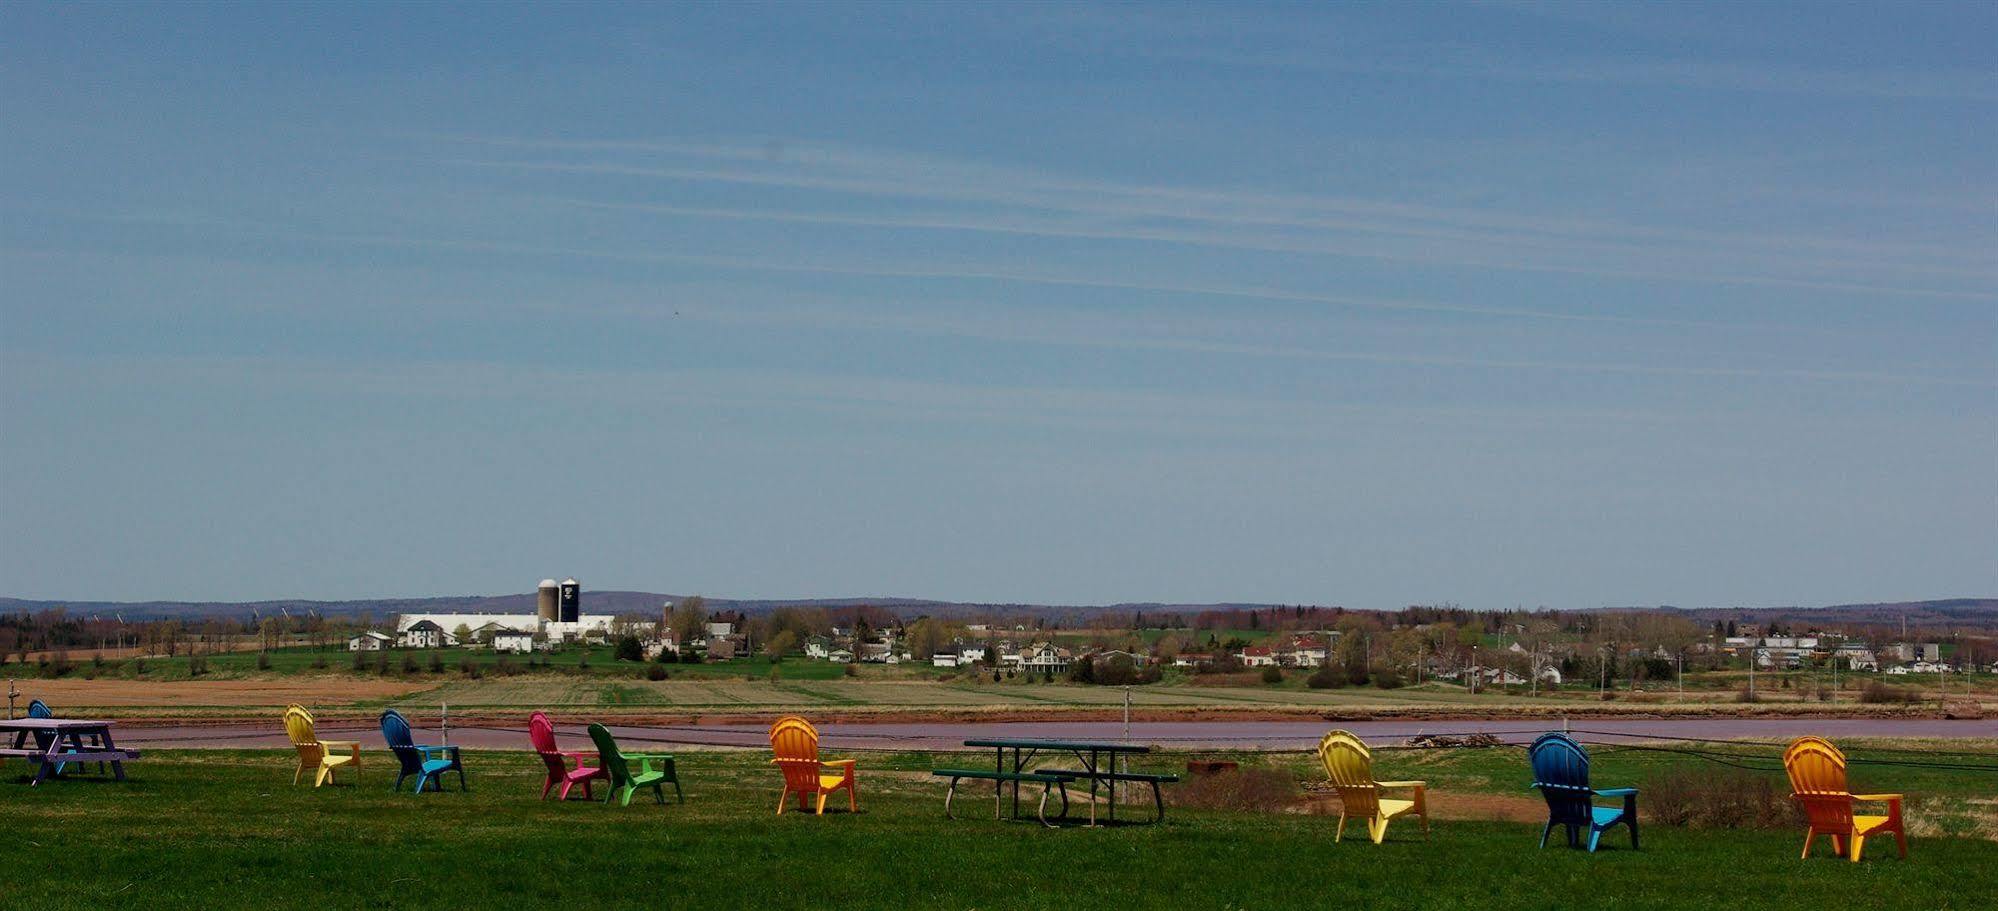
(226, 829)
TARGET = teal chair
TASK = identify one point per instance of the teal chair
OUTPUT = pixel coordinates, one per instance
(1561, 772)
(427, 763)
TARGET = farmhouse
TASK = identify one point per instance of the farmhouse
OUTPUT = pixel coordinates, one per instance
(370, 641)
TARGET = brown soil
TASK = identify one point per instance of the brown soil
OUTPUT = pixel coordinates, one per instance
(267, 692)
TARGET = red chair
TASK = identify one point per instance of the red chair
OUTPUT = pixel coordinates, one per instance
(542, 732)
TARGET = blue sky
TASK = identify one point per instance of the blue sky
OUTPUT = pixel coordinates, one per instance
(1564, 305)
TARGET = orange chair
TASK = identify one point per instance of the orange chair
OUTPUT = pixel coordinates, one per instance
(1817, 778)
(796, 744)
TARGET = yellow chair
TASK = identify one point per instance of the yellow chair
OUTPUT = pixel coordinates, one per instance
(1350, 765)
(1817, 778)
(796, 744)
(317, 754)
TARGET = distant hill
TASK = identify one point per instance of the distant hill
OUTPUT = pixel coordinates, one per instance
(1965, 613)
(595, 602)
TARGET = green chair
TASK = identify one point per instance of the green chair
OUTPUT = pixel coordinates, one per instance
(622, 782)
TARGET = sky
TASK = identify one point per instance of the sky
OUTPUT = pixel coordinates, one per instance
(1561, 305)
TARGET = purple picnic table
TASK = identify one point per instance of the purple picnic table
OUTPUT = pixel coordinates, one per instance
(59, 741)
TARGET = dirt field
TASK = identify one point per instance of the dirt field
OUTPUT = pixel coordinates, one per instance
(73, 692)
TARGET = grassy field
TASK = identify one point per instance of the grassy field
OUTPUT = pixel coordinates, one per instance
(225, 829)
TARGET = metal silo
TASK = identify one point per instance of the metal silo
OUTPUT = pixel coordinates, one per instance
(572, 600)
(546, 599)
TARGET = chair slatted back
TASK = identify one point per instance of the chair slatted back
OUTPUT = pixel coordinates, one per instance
(401, 742)
(541, 732)
(39, 709)
(1561, 772)
(796, 745)
(1350, 765)
(304, 734)
(608, 755)
(1818, 783)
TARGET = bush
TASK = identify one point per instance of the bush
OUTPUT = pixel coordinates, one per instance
(437, 663)
(1357, 675)
(319, 662)
(197, 665)
(263, 661)
(1746, 695)
(1261, 789)
(409, 664)
(655, 672)
(360, 661)
(851, 669)
(1272, 674)
(1876, 692)
(628, 649)
(138, 666)
(1717, 798)
(1388, 679)
(1326, 677)
(382, 663)
(469, 668)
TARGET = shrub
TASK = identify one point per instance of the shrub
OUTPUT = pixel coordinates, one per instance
(263, 661)
(319, 662)
(437, 663)
(1326, 677)
(1387, 679)
(1272, 674)
(628, 649)
(197, 665)
(655, 672)
(1267, 790)
(851, 670)
(1717, 798)
(409, 664)
(1876, 692)
(1746, 695)
(470, 668)
(1356, 674)
(360, 661)
(97, 659)
(381, 662)
(138, 666)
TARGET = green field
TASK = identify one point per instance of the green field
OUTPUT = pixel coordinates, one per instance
(225, 829)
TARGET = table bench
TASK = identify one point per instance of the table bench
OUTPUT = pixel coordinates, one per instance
(1111, 778)
(1049, 781)
(60, 742)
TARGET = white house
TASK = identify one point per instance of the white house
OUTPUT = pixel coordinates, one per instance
(424, 634)
(370, 641)
(818, 647)
(1258, 656)
(513, 640)
(1043, 658)
(718, 629)
(943, 659)
(970, 653)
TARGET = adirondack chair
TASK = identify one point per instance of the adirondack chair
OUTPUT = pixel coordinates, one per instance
(1561, 772)
(617, 764)
(1350, 765)
(541, 731)
(427, 763)
(40, 709)
(796, 745)
(321, 756)
(1817, 778)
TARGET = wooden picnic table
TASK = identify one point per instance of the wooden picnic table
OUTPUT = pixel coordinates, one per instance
(60, 741)
(1099, 761)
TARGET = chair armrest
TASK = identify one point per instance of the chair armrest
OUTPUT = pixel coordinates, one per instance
(434, 750)
(1890, 798)
(340, 744)
(845, 762)
(580, 754)
(1616, 792)
(1401, 784)
(648, 755)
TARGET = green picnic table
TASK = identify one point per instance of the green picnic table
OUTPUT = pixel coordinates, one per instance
(1098, 761)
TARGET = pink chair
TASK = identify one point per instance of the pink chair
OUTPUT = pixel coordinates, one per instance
(542, 732)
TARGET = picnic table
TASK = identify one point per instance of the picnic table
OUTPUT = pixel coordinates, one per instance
(1099, 766)
(60, 741)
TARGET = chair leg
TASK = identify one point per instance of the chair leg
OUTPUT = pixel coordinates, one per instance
(1632, 821)
(785, 798)
(1378, 829)
(679, 796)
(822, 804)
(295, 776)
(1901, 838)
(1858, 845)
(1340, 832)
(1810, 835)
(658, 794)
(461, 780)
(1595, 835)
(1543, 832)
(853, 801)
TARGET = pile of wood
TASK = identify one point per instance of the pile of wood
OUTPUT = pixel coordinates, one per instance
(1446, 741)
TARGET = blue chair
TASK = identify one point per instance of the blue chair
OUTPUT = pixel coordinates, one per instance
(40, 709)
(427, 763)
(1561, 772)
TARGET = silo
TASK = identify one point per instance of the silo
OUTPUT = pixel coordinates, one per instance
(546, 599)
(572, 600)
